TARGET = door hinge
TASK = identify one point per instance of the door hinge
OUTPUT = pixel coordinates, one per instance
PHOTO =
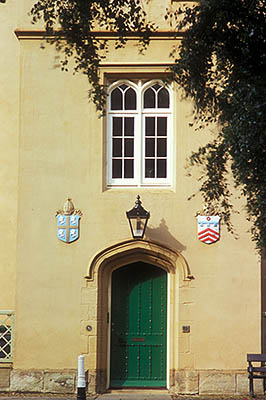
(107, 317)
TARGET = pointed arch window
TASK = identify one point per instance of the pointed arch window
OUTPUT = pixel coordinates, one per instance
(139, 134)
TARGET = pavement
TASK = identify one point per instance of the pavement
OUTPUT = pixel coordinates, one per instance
(131, 397)
(113, 395)
(125, 395)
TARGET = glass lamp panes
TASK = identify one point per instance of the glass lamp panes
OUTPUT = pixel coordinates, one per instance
(137, 227)
(138, 218)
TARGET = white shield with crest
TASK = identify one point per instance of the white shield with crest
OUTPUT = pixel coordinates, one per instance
(68, 223)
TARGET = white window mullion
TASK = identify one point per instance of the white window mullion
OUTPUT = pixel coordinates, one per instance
(142, 153)
(109, 147)
(155, 145)
(170, 148)
(138, 133)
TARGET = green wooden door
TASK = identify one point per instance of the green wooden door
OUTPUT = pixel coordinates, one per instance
(138, 334)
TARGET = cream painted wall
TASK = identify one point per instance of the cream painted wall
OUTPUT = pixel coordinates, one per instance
(9, 116)
(156, 11)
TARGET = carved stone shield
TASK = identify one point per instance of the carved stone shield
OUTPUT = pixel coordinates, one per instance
(208, 228)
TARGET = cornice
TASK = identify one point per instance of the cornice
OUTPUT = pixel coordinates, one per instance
(27, 34)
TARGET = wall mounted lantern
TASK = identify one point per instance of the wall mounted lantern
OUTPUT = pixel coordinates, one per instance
(138, 218)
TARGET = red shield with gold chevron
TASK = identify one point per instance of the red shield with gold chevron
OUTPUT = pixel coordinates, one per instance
(208, 228)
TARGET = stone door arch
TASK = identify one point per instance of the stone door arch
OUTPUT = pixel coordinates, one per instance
(98, 296)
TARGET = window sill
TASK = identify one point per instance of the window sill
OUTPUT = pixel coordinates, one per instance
(152, 189)
(146, 186)
(6, 364)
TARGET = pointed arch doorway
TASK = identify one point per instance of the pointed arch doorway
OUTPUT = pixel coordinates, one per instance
(138, 326)
(98, 282)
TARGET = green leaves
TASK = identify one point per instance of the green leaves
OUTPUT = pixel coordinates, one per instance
(222, 67)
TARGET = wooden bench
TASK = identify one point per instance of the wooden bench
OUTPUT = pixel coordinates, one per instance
(256, 372)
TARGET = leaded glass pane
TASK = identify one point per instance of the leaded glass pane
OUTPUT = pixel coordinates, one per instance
(117, 169)
(149, 147)
(162, 126)
(129, 168)
(161, 147)
(117, 147)
(130, 99)
(156, 87)
(149, 98)
(161, 169)
(150, 126)
(116, 99)
(163, 98)
(129, 126)
(129, 147)
(117, 126)
(149, 169)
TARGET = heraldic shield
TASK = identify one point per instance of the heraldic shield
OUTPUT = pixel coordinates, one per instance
(68, 227)
(68, 223)
(208, 228)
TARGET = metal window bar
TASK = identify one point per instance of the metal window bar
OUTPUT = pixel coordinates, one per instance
(6, 336)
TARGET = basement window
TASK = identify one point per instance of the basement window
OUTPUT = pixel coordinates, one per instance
(6, 336)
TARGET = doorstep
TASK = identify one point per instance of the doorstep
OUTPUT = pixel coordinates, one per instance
(136, 394)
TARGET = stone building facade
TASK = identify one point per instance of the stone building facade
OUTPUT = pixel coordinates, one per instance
(62, 297)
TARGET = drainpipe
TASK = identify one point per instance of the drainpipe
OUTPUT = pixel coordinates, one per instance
(81, 393)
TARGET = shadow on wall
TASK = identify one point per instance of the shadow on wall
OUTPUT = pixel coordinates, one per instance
(163, 235)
